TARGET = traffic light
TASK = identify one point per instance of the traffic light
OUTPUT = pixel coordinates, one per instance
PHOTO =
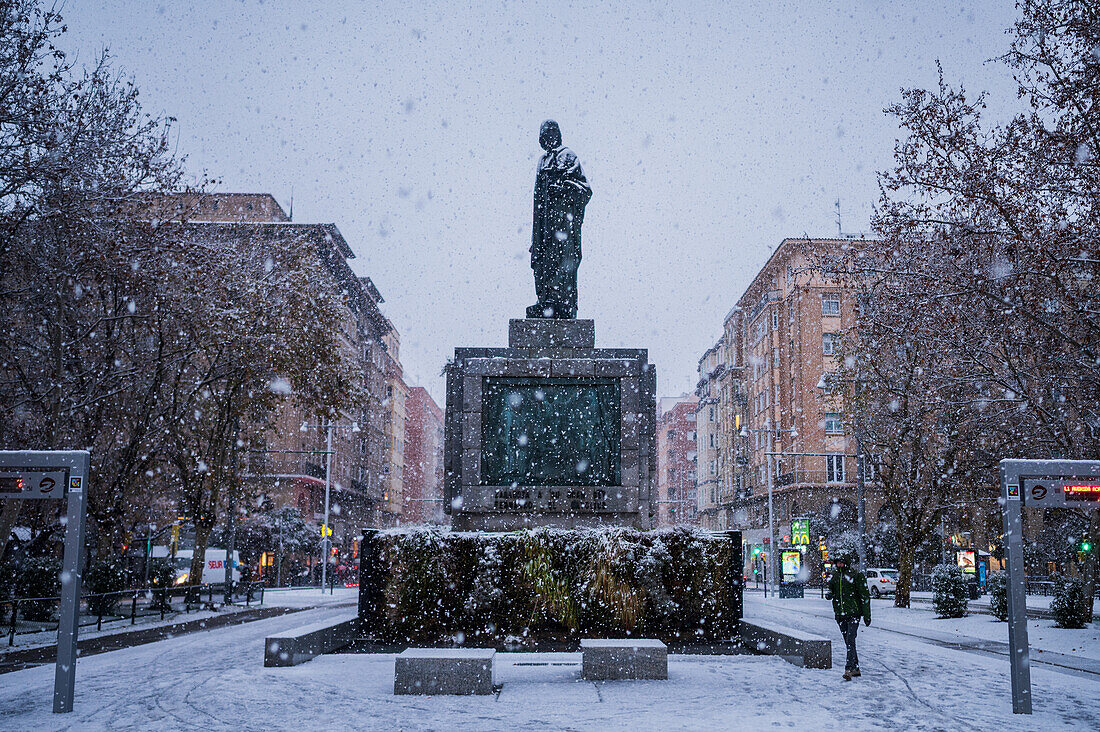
(1086, 545)
(755, 551)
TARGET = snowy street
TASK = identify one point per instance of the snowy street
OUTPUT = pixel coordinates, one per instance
(216, 680)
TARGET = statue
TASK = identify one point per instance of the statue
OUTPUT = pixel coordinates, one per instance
(561, 193)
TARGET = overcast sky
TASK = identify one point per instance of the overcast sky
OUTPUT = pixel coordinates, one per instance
(708, 131)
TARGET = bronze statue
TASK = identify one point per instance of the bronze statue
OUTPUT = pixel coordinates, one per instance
(561, 193)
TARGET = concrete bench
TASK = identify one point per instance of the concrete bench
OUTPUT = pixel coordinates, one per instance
(301, 644)
(796, 646)
(445, 671)
(623, 658)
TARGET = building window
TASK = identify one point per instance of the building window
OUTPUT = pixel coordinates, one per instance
(712, 439)
(829, 343)
(712, 414)
(830, 304)
(834, 468)
(777, 400)
(833, 425)
(775, 319)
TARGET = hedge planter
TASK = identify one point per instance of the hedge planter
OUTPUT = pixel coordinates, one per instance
(530, 588)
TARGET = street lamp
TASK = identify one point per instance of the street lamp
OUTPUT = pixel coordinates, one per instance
(328, 426)
(793, 432)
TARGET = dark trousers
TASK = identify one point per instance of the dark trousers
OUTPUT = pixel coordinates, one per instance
(848, 628)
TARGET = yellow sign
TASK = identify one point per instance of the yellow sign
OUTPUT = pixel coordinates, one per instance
(800, 532)
(325, 530)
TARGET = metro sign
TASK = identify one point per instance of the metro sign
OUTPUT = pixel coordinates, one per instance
(32, 483)
(1049, 492)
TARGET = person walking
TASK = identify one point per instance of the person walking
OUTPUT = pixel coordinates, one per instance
(851, 601)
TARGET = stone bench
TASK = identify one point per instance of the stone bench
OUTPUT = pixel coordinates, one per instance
(445, 671)
(623, 658)
(800, 648)
(301, 644)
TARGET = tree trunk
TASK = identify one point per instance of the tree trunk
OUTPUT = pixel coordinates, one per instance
(198, 561)
(905, 572)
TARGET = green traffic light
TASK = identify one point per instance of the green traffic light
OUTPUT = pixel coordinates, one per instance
(1086, 547)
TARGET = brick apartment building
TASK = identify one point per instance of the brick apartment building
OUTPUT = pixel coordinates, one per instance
(764, 381)
(287, 463)
(676, 470)
(423, 486)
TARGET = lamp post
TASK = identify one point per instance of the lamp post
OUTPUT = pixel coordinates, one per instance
(770, 569)
(328, 426)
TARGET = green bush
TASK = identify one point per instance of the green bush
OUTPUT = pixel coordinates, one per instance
(949, 592)
(38, 577)
(161, 576)
(551, 584)
(106, 575)
(1070, 607)
(998, 595)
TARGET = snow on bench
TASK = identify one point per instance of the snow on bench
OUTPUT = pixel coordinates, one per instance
(445, 671)
(796, 646)
(302, 644)
(606, 659)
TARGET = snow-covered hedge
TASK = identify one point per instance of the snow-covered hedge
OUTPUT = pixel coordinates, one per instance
(1070, 607)
(998, 595)
(949, 592)
(105, 576)
(550, 584)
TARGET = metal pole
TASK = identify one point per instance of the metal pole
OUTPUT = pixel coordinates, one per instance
(860, 520)
(279, 559)
(64, 684)
(328, 481)
(1019, 660)
(148, 552)
(231, 520)
(771, 512)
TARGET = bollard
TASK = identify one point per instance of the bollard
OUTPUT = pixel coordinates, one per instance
(261, 594)
(99, 619)
(736, 578)
(370, 582)
(133, 608)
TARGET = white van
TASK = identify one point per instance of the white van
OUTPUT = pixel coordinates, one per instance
(213, 570)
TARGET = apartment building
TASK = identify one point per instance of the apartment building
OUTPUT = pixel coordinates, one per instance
(776, 422)
(423, 484)
(676, 447)
(286, 464)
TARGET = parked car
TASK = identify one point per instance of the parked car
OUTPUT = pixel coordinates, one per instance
(882, 581)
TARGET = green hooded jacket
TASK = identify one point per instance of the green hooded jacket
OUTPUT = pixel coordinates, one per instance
(848, 591)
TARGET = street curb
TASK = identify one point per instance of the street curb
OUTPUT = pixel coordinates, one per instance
(28, 657)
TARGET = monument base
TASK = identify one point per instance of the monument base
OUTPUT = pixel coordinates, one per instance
(550, 431)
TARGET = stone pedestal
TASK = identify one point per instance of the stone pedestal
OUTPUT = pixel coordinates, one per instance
(623, 658)
(444, 671)
(550, 431)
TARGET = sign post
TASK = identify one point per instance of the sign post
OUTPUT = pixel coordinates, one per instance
(1039, 484)
(30, 474)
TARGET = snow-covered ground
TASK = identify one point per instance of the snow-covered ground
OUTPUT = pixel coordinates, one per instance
(287, 597)
(919, 620)
(216, 680)
(311, 597)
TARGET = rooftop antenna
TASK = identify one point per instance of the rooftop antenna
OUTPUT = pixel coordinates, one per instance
(291, 215)
(839, 230)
